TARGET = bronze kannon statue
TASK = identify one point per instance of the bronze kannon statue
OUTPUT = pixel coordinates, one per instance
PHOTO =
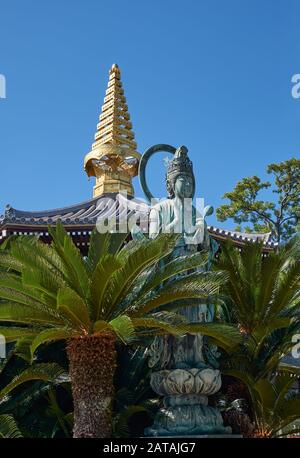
(184, 369)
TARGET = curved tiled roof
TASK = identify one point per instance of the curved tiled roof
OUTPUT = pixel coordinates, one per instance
(242, 236)
(85, 213)
(117, 206)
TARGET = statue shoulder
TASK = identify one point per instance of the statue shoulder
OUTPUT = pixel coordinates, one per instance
(162, 206)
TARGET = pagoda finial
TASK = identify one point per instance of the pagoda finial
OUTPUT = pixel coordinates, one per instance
(114, 158)
(114, 68)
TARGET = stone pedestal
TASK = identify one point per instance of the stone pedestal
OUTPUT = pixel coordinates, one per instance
(186, 409)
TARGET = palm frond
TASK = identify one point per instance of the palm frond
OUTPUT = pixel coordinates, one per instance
(9, 428)
(17, 313)
(73, 307)
(225, 336)
(123, 327)
(102, 245)
(134, 261)
(106, 267)
(177, 266)
(47, 372)
(199, 286)
(51, 335)
(14, 333)
(74, 265)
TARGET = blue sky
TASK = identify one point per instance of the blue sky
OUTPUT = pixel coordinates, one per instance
(214, 75)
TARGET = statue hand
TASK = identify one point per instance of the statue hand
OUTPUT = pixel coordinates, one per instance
(198, 237)
(200, 222)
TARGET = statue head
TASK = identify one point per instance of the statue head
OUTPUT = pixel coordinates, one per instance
(180, 177)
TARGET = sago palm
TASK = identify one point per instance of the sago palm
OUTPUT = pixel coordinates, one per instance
(275, 405)
(51, 293)
(50, 373)
(26, 390)
(262, 296)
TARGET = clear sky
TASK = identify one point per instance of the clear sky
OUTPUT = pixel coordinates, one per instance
(214, 75)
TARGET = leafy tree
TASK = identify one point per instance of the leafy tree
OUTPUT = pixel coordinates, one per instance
(51, 293)
(280, 217)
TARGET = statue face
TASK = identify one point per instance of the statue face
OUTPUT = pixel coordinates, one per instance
(184, 187)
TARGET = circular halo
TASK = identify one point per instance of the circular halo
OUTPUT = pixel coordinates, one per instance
(144, 161)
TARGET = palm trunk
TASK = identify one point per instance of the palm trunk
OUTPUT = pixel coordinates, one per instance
(92, 367)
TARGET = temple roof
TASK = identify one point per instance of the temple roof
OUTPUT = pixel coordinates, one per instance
(85, 215)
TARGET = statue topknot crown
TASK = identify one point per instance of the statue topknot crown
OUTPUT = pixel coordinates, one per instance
(179, 165)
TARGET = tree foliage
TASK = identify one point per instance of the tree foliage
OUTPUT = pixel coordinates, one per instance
(117, 293)
(281, 216)
(51, 293)
(262, 296)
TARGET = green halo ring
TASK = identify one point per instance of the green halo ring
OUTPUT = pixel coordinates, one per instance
(143, 165)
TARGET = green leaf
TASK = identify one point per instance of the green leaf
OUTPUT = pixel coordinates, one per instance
(22, 348)
(9, 428)
(12, 333)
(12, 289)
(135, 259)
(16, 313)
(173, 268)
(106, 267)
(32, 253)
(74, 266)
(160, 326)
(50, 335)
(226, 336)
(46, 372)
(101, 326)
(71, 305)
(279, 216)
(123, 327)
(196, 286)
(9, 262)
(102, 245)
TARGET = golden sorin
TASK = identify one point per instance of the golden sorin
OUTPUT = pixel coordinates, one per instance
(114, 158)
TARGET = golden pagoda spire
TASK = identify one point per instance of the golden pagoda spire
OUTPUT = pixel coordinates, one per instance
(114, 158)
